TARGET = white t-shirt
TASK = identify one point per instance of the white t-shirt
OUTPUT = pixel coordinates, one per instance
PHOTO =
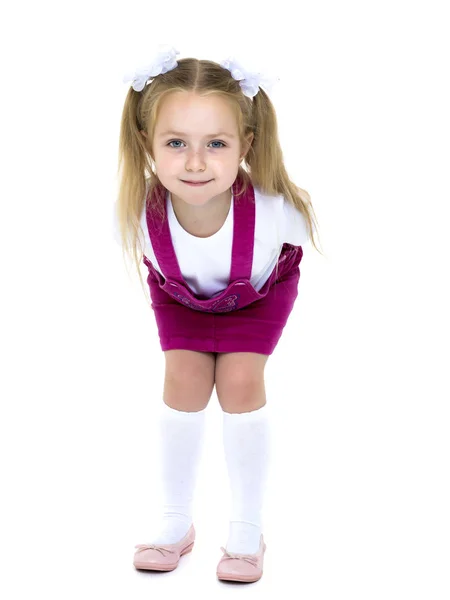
(205, 263)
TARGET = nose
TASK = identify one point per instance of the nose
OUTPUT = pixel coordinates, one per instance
(195, 161)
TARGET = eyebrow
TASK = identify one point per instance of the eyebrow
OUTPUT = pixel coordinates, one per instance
(212, 135)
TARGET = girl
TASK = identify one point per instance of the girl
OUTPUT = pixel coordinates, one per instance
(223, 230)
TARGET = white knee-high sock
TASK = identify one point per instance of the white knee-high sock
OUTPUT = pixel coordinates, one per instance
(246, 438)
(181, 442)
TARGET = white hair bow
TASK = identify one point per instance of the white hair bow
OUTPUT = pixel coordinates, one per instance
(249, 81)
(165, 60)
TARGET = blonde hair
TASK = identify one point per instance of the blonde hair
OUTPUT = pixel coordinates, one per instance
(264, 164)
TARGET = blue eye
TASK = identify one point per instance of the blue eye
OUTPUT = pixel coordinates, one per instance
(179, 141)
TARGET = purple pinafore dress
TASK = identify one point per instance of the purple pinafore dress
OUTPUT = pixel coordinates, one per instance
(238, 319)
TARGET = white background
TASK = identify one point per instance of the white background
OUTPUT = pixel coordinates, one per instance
(358, 385)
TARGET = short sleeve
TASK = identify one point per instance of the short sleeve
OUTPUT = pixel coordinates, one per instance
(295, 229)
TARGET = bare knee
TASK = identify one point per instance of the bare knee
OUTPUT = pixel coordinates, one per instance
(239, 380)
(189, 379)
(242, 396)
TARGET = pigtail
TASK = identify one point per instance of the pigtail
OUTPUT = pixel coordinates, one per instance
(265, 154)
(266, 163)
(133, 165)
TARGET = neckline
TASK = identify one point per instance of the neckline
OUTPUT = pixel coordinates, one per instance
(183, 231)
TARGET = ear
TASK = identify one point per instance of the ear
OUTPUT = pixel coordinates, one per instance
(247, 145)
(142, 132)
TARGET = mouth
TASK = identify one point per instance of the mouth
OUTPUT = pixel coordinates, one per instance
(196, 183)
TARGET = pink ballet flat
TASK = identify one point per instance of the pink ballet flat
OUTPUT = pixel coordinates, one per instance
(156, 557)
(242, 567)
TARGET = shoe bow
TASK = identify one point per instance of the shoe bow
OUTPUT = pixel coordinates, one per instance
(161, 549)
(250, 558)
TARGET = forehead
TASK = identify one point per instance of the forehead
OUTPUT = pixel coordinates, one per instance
(193, 114)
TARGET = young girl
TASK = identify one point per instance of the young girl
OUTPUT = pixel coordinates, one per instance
(222, 244)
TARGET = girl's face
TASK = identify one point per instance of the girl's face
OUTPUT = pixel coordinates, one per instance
(196, 139)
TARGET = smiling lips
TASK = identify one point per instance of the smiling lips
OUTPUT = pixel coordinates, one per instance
(195, 182)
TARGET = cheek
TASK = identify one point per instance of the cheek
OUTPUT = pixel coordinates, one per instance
(224, 161)
(165, 161)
